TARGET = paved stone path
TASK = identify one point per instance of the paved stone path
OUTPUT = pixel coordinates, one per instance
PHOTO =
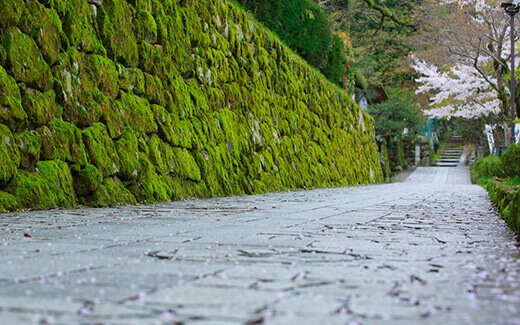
(429, 250)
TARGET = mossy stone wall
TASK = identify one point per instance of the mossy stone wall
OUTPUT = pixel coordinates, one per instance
(507, 200)
(117, 102)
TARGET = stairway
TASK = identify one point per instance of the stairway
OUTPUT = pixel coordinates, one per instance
(452, 151)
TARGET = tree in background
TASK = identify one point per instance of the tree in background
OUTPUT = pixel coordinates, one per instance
(464, 61)
(304, 27)
(396, 122)
(381, 36)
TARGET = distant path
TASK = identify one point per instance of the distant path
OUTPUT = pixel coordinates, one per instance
(429, 250)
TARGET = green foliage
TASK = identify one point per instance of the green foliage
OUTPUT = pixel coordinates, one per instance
(382, 45)
(510, 161)
(470, 130)
(395, 114)
(507, 166)
(485, 168)
(336, 62)
(305, 28)
(504, 192)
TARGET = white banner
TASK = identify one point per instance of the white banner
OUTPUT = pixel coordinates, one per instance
(491, 141)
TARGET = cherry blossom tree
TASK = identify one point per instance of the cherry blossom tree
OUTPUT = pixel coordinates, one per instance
(465, 72)
(471, 43)
(458, 92)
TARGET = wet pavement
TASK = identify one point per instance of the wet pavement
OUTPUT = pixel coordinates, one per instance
(428, 250)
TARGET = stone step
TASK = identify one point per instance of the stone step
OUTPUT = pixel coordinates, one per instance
(447, 165)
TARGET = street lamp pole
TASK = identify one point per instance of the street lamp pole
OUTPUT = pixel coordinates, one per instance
(512, 9)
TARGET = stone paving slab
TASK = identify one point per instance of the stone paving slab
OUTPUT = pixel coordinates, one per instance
(428, 250)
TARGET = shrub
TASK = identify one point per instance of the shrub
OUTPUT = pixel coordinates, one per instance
(487, 167)
(510, 161)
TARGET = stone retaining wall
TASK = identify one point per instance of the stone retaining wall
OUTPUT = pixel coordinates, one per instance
(107, 102)
(507, 199)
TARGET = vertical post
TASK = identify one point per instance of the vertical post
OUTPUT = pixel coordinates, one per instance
(513, 82)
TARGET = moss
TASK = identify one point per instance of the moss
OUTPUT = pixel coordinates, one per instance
(46, 30)
(40, 107)
(49, 186)
(137, 81)
(167, 125)
(87, 179)
(76, 90)
(161, 156)
(137, 113)
(104, 74)
(115, 27)
(100, 149)
(3, 55)
(185, 165)
(150, 58)
(12, 11)
(110, 192)
(9, 156)
(127, 149)
(507, 199)
(62, 141)
(11, 112)
(145, 27)
(151, 187)
(29, 143)
(8, 202)
(112, 117)
(25, 61)
(77, 24)
(154, 89)
(182, 102)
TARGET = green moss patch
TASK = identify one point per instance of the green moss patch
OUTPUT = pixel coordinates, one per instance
(185, 165)
(104, 74)
(100, 149)
(11, 111)
(87, 179)
(8, 202)
(507, 199)
(29, 143)
(46, 29)
(9, 155)
(128, 153)
(49, 186)
(137, 114)
(62, 141)
(25, 61)
(41, 108)
(110, 193)
(116, 29)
